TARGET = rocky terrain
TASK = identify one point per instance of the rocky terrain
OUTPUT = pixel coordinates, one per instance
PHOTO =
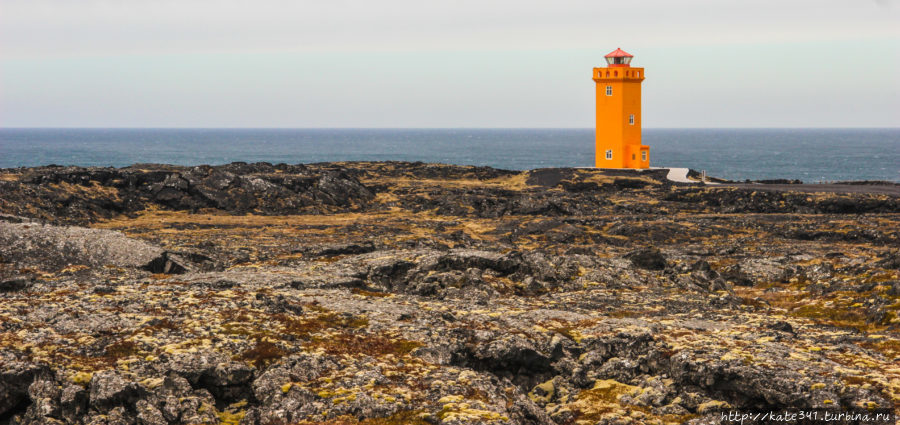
(409, 293)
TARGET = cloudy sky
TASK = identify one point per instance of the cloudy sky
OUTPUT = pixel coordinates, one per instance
(454, 63)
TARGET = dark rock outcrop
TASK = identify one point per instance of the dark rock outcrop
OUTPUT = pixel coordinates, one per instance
(647, 258)
(79, 195)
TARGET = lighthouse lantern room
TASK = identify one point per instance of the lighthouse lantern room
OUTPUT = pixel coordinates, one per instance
(618, 57)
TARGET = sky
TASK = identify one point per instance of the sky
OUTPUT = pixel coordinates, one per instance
(453, 63)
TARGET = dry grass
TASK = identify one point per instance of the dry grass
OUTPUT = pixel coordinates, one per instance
(512, 182)
(94, 190)
(160, 219)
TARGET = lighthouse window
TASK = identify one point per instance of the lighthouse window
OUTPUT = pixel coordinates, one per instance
(631, 119)
(609, 154)
(609, 90)
(643, 155)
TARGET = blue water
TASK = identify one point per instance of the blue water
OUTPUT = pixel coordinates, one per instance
(807, 154)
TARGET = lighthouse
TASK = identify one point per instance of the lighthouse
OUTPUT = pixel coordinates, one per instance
(618, 134)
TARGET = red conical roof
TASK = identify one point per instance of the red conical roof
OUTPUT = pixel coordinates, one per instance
(619, 53)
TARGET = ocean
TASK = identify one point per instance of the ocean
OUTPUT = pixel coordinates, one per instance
(811, 155)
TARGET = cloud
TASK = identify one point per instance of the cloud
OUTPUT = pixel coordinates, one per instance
(451, 63)
(107, 27)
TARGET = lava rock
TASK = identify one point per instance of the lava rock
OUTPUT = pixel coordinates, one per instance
(782, 326)
(647, 258)
(14, 285)
(342, 249)
(109, 389)
(56, 247)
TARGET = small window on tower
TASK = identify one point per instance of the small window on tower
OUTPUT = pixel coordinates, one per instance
(609, 154)
(631, 119)
(643, 155)
(609, 90)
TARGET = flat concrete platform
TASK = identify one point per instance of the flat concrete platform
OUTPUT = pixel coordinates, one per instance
(679, 175)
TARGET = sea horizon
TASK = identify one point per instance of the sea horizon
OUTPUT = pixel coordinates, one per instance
(428, 128)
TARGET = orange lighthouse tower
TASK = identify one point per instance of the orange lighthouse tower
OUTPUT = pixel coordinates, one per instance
(618, 137)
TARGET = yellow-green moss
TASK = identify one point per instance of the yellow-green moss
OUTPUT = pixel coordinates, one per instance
(82, 378)
(549, 390)
(406, 417)
(712, 405)
(373, 345)
(231, 418)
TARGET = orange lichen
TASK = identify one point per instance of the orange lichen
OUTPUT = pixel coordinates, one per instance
(263, 353)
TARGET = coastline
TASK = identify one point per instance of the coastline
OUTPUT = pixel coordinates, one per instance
(811, 155)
